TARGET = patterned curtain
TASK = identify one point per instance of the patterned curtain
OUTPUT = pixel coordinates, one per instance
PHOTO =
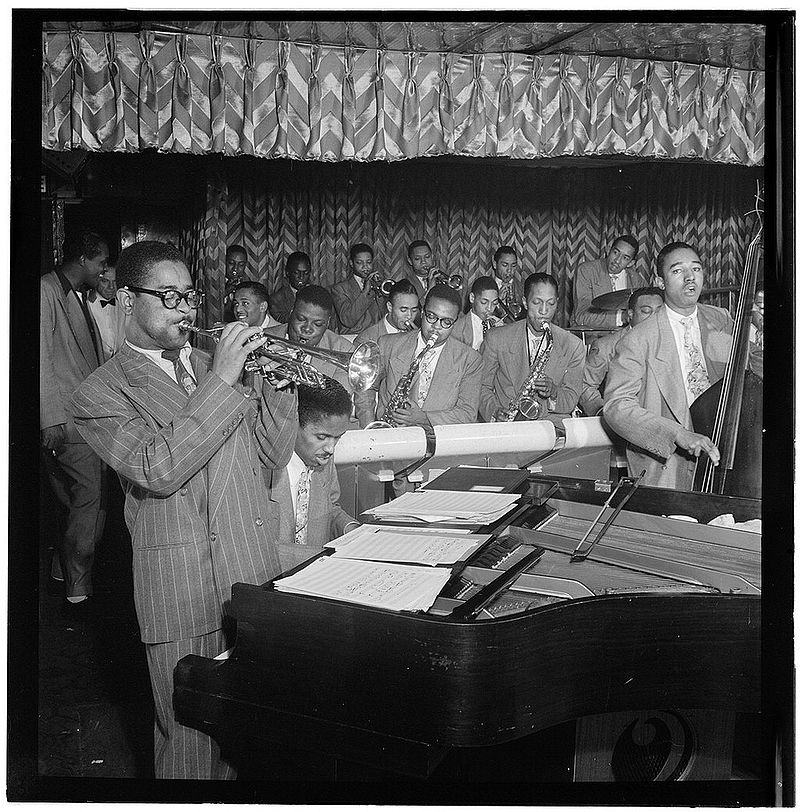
(555, 218)
(204, 93)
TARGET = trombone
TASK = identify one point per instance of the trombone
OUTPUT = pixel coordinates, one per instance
(362, 366)
(437, 277)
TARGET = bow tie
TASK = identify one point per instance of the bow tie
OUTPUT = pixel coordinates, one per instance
(112, 302)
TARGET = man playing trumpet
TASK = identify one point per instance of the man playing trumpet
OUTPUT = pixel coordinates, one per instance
(514, 360)
(445, 385)
(188, 446)
(481, 317)
(357, 303)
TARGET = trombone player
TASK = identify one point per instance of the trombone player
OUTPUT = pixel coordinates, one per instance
(532, 357)
(186, 443)
(357, 302)
(471, 327)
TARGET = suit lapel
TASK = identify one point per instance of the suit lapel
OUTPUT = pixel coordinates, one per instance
(78, 327)
(518, 345)
(667, 369)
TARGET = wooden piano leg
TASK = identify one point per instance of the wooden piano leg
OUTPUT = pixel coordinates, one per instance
(659, 745)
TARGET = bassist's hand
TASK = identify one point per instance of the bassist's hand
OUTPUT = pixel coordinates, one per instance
(696, 444)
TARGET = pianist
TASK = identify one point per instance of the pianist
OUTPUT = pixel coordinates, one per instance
(186, 442)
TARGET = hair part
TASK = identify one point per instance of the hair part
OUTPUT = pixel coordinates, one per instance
(539, 279)
(668, 249)
(136, 261)
(260, 291)
(318, 402)
(632, 241)
(361, 248)
(444, 293)
(639, 292)
(482, 284)
(402, 286)
(84, 244)
(314, 295)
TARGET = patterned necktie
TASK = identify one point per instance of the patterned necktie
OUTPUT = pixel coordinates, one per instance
(182, 375)
(486, 325)
(696, 373)
(425, 376)
(615, 280)
(301, 508)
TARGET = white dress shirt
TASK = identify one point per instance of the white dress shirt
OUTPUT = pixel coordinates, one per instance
(163, 363)
(268, 321)
(432, 356)
(390, 328)
(294, 468)
(677, 332)
(106, 319)
(477, 330)
(619, 282)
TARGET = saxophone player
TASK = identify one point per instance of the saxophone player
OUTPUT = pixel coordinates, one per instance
(513, 359)
(446, 382)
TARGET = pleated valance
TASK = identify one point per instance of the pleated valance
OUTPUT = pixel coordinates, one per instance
(201, 94)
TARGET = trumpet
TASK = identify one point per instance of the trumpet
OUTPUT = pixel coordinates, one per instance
(381, 285)
(505, 312)
(437, 277)
(363, 365)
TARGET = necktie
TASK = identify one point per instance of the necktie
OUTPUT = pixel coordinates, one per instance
(425, 376)
(615, 280)
(696, 373)
(104, 303)
(301, 508)
(486, 325)
(181, 373)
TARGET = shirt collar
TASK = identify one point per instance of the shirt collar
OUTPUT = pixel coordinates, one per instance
(677, 318)
(155, 355)
(390, 328)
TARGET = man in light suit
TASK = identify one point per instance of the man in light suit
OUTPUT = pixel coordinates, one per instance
(447, 382)
(298, 275)
(660, 367)
(509, 353)
(472, 326)
(402, 313)
(615, 271)
(357, 304)
(188, 446)
(70, 349)
(306, 491)
(642, 304)
(308, 325)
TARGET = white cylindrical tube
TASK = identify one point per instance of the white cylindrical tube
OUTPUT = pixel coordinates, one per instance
(586, 432)
(495, 438)
(380, 445)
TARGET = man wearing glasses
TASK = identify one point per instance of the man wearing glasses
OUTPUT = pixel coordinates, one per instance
(446, 383)
(188, 446)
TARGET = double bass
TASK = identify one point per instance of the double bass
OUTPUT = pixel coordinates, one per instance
(731, 411)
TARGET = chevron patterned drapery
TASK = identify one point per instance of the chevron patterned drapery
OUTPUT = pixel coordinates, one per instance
(554, 218)
(200, 93)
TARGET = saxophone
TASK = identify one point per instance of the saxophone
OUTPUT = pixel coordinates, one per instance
(524, 402)
(403, 389)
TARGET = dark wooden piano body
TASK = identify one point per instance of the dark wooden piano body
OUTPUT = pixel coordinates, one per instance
(395, 691)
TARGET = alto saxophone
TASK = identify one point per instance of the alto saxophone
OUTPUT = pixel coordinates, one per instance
(403, 389)
(525, 402)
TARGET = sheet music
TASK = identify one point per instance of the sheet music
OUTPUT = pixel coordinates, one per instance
(412, 548)
(367, 530)
(466, 507)
(386, 586)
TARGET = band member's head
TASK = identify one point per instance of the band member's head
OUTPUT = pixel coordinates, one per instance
(402, 306)
(680, 272)
(156, 293)
(323, 414)
(642, 303)
(86, 252)
(420, 257)
(250, 303)
(483, 297)
(107, 283)
(504, 263)
(439, 314)
(361, 257)
(235, 263)
(310, 315)
(541, 299)
(298, 269)
(622, 253)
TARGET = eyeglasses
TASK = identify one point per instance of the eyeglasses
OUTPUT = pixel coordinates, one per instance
(432, 318)
(172, 298)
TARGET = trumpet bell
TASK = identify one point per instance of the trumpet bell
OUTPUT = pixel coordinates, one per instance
(363, 365)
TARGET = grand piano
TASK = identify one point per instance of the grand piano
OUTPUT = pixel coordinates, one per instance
(642, 661)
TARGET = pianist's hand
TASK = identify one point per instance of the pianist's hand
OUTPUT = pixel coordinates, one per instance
(236, 342)
(696, 444)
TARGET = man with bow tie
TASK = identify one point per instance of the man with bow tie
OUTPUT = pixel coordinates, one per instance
(110, 319)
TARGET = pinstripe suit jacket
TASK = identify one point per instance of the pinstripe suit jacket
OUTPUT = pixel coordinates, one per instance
(66, 354)
(326, 518)
(195, 499)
